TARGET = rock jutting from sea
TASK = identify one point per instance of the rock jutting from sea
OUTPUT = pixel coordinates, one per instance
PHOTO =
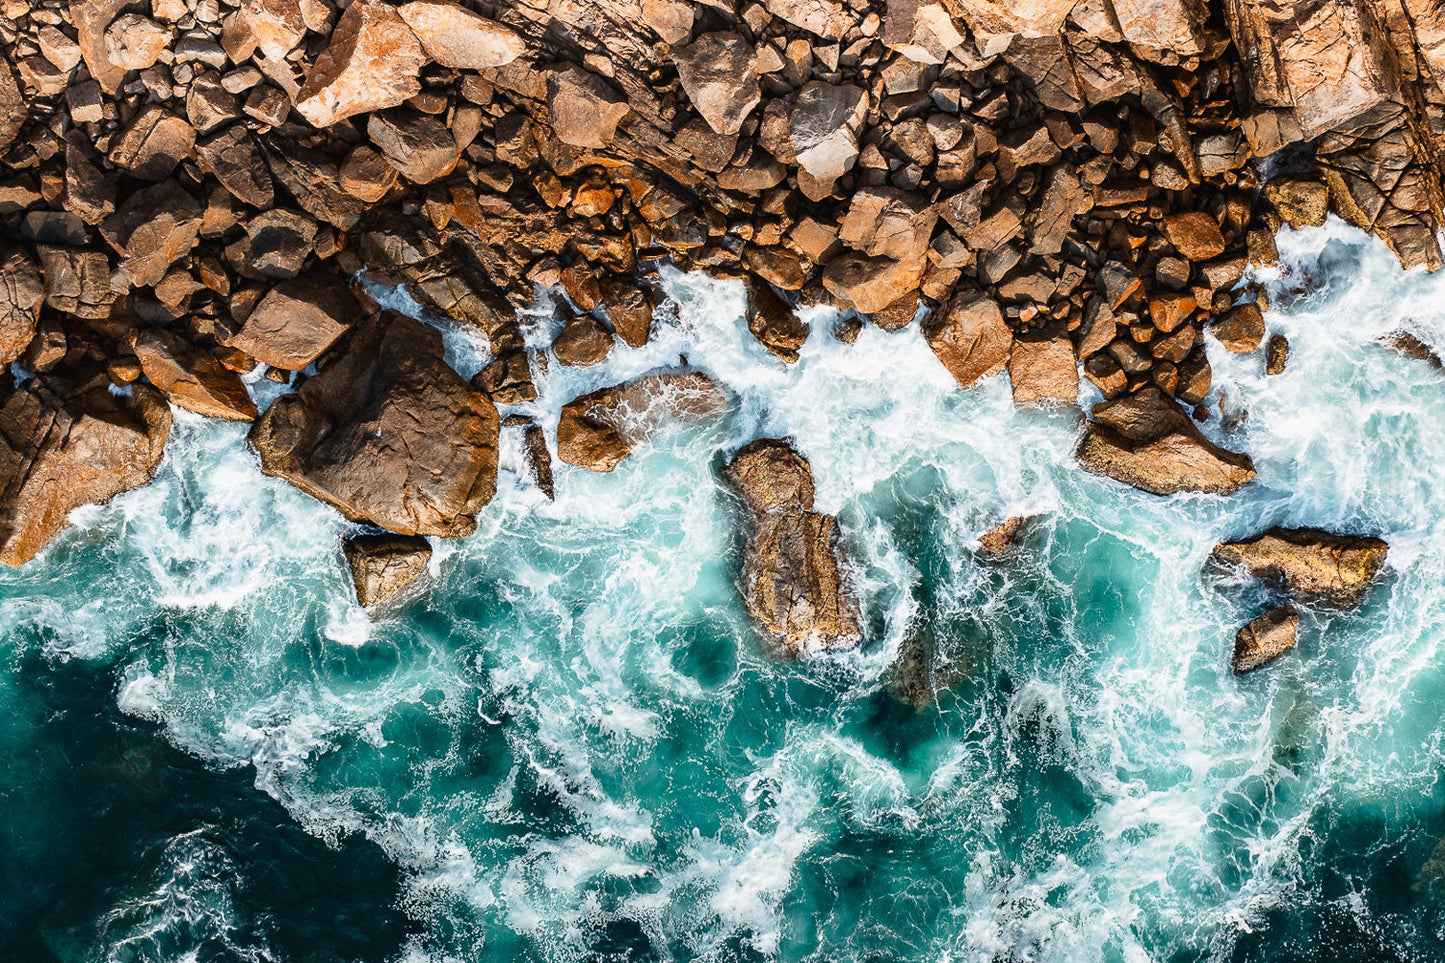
(190, 191)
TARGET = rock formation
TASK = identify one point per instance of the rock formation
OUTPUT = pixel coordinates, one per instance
(792, 586)
(1265, 639)
(384, 566)
(388, 434)
(1051, 185)
(1309, 563)
(600, 429)
(1147, 441)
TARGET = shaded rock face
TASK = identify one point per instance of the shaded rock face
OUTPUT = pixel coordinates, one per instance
(385, 566)
(1265, 639)
(599, 429)
(191, 378)
(792, 585)
(1147, 441)
(389, 434)
(63, 446)
(1309, 563)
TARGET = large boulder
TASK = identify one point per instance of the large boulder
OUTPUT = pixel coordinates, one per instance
(583, 108)
(21, 295)
(792, 586)
(371, 63)
(191, 378)
(823, 128)
(1308, 562)
(828, 19)
(388, 434)
(719, 73)
(1265, 639)
(63, 446)
(599, 429)
(1148, 441)
(970, 338)
(384, 566)
(455, 37)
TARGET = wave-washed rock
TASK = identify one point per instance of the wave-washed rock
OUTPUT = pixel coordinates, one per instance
(1309, 563)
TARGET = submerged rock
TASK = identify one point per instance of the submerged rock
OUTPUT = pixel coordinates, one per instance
(792, 586)
(389, 434)
(1265, 639)
(63, 446)
(1309, 562)
(1148, 441)
(384, 566)
(599, 429)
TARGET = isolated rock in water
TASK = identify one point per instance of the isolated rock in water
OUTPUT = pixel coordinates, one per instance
(1309, 562)
(583, 108)
(583, 342)
(1147, 441)
(1412, 347)
(998, 542)
(384, 566)
(21, 295)
(598, 430)
(297, 321)
(719, 73)
(191, 378)
(970, 338)
(453, 36)
(63, 446)
(539, 459)
(372, 63)
(791, 583)
(388, 434)
(1265, 639)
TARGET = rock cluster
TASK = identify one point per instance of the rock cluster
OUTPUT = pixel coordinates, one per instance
(792, 585)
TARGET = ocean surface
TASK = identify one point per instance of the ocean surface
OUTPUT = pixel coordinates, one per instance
(570, 746)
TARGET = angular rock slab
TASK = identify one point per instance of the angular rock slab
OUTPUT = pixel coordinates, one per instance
(455, 37)
(1148, 441)
(384, 566)
(599, 429)
(719, 73)
(1309, 562)
(372, 63)
(388, 434)
(63, 446)
(191, 378)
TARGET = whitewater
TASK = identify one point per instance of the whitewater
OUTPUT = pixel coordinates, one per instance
(571, 745)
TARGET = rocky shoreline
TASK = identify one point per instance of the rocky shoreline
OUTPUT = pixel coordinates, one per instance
(192, 189)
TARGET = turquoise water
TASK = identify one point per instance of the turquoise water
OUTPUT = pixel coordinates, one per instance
(572, 748)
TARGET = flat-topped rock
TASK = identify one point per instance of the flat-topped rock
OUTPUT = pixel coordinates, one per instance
(384, 566)
(372, 62)
(191, 378)
(1309, 562)
(1265, 639)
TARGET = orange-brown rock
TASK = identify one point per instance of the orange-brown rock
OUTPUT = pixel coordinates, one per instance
(970, 338)
(1265, 639)
(1309, 563)
(371, 63)
(191, 378)
(1043, 369)
(21, 294)
(719, 73)
(454, 36)
(297, 321)
(1147, 441)
(63, 446)
(388, 434)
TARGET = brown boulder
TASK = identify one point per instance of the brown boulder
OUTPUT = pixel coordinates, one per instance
(191, 378)
(584, 109)
(388, 434)
(1147, 441)
(455, 37)
(598, 430)
(1043, 369)
(152, 144)
(63, 446)
(629, 308)
(1309, 562)
(1241, 329)
(998, 542)
(1195, 235)
(1265, 639)
(826, 18)
(154, 228)
(719, 73)
(297, 321)
(585, 341)
(419, 146)
(384, 566)
(970, 338)
(371, 63)
(792, 586)
(774, 322)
